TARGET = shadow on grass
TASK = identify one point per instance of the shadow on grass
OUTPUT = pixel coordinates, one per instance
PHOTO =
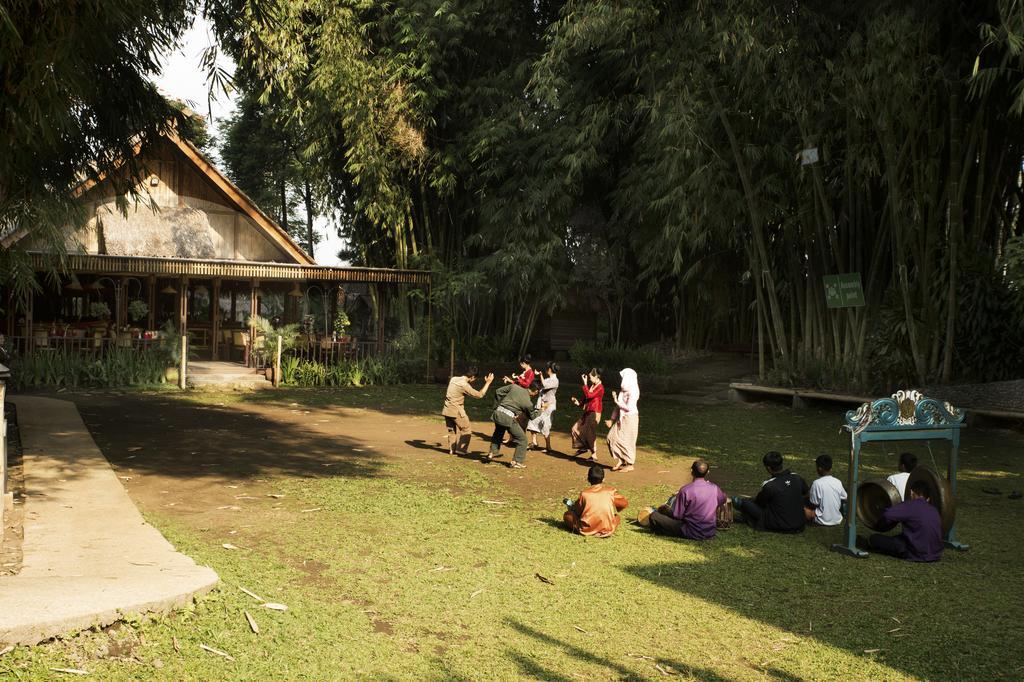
(182, 439)
(765, 586)
(421, 444)
(534, 670)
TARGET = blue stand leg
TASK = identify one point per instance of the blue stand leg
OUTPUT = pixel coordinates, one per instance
(950, 539)
(850, 527)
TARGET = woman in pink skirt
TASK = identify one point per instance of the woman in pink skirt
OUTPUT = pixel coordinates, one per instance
(625, 422)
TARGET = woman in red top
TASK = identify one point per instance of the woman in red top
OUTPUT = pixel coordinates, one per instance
(584, 431)
(525, 379)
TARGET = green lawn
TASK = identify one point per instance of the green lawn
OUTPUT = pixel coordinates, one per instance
(392, 579)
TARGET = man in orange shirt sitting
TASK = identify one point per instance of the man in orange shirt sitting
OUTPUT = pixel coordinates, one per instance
(596, 511)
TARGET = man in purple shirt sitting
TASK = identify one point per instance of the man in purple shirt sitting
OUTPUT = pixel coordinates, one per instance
(921, 539)
(692, 514)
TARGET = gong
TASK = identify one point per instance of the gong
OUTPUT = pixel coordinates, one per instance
(874, 496)
(939, 494)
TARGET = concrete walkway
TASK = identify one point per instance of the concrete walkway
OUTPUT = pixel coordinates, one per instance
(89, 557)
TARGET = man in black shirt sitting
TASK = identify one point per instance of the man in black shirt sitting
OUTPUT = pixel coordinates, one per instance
(779, 505)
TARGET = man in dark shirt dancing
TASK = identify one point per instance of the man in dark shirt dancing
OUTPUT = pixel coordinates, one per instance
(921, 539)
(779, 505)
(511, 401)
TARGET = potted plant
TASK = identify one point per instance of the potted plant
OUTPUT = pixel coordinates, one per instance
(99, 310)
(169, 347)
(341, 324)
(137, 310)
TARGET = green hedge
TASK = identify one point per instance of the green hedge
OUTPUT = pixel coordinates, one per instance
(364, 372)
(70, 369)
(613, 358)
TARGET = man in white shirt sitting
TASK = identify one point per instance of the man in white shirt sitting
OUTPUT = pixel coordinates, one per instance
(906, 465)
(826, 496)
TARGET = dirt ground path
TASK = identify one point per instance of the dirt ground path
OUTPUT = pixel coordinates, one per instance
(205, 463)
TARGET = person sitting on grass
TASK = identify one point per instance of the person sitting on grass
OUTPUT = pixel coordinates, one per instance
(511, 401)
(595, 513)
(907, 463)
(921, 537)
(825, 501)
(779, 505)
(456, 420)
(693, 510)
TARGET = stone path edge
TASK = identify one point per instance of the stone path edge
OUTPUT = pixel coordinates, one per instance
(79, 573)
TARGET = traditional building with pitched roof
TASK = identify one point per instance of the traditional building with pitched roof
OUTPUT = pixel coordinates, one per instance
(195, 251)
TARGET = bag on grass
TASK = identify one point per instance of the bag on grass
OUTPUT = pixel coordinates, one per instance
(724, 516)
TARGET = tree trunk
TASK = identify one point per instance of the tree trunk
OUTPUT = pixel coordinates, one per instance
(761, 261)
(955, 229)
(307, 195)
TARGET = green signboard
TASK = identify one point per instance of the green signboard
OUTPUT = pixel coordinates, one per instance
(844, 291)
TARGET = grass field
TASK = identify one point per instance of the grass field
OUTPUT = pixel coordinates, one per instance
(397, 577)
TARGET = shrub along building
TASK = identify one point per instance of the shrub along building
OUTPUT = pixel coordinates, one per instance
(197, 253)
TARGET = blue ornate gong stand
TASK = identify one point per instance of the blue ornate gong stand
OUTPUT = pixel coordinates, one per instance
(907, 415)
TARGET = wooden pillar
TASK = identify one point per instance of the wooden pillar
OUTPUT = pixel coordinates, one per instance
(121, 303)
(429, 331)
(382, 316)
(215, 325)
(183, 306)
(151, 301)
(12, 313)
(29, 311)
(253, 311)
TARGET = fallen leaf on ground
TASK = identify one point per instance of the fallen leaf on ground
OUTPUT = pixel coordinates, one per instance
(578, 628)
(217, 651)
(252, 622)
(228, 545)
(276, 496)
(176, 643)
(275, 607)
(252, 594)
(70, 671)
(543, 579)
(306, 511)
(475, 594)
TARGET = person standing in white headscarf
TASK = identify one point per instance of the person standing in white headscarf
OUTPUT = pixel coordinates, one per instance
(625, 422)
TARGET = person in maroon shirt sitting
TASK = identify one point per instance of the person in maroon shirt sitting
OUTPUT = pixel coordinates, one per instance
(921, 539)
(693, 511)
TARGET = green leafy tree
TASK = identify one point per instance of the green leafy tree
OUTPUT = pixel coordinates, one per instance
(76, 99)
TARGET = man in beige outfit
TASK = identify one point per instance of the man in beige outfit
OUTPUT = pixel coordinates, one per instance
(454, 412)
